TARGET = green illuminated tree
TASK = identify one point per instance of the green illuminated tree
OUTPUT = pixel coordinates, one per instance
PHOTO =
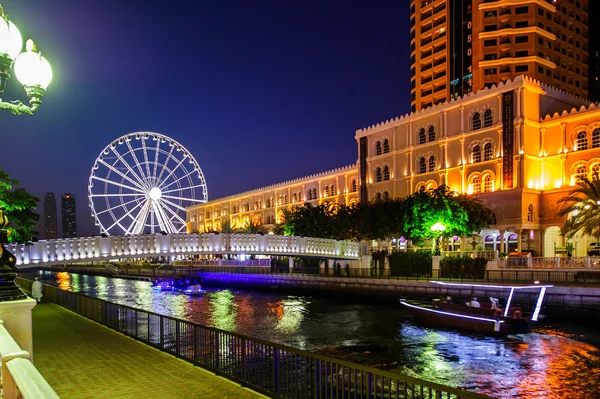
(19, 207)
(460, 214)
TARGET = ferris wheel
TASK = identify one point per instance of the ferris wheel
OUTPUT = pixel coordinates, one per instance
(142, 182)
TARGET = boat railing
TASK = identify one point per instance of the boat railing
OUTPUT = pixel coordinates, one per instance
(273, 369)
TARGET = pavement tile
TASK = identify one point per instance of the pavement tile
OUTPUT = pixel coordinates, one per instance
(81, 359)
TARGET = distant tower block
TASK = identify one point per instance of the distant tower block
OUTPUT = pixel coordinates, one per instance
(50, 222)
(69, 220)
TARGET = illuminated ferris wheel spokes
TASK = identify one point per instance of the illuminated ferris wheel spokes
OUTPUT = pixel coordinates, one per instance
(137, 186)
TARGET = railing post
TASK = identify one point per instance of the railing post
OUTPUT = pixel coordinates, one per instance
(243, 358)
(162, 331)
(177, 338)
(317, 379)
(217, 350)
(275, 370)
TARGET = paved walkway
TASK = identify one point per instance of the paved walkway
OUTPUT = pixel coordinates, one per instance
(82, 359)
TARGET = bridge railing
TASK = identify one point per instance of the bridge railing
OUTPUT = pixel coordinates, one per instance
(19, 377)
(276, 370)
(47, 252)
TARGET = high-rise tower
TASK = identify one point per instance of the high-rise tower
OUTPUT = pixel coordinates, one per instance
(594, 36)
(459, 46)
(69, 225)
(50, 225)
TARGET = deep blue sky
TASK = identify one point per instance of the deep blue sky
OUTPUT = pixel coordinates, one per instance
(258, 91)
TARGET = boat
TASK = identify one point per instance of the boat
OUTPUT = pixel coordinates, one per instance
(487, 319)
(163, 286)
(195, 289)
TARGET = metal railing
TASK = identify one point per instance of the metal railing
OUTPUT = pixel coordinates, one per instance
(275, 370)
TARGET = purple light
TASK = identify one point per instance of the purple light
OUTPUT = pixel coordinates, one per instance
(402, 239)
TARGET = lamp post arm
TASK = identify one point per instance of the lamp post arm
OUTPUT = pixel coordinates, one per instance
(18, 108)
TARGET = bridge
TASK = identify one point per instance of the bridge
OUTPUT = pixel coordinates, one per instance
(173, 246)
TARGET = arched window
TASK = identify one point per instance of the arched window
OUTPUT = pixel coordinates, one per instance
(295, 197)
(422, 137)
(488, 184)
(431, 133)
(386, 146)
(596, 138)
(487, 118)
(386, 173)
(378, 148)
(315, 193)
(378, 176)
(353, 186)
(476, 185)
(582, 141)
(476, 154)
(332, 188)
(581, 173)
(488, 152)
(596, 171)
(476, 121)
(285, 199)
(386, 195)
(327, 190)
(530, 216)
(422, 165)
(431, 163)
(378, 196)
(310, 194)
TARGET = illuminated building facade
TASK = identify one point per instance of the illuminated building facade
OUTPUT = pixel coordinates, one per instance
(69, 220)
(519, 147)
(264, 206)
(463, 46)
(50, 223)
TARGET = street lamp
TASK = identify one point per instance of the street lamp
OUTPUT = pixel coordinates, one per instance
(35, 74)
(438, 229)
(32, 70)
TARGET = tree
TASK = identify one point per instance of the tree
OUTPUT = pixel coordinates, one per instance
(460, 214)
(582, 209)
(19, 207)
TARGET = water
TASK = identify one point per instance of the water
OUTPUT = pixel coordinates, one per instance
(554, 361)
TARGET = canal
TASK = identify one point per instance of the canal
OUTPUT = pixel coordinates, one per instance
(557, 360)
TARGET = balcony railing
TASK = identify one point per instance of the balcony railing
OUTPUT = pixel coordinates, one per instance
(20, 378)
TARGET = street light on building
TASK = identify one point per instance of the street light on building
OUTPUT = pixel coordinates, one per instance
(32, 70)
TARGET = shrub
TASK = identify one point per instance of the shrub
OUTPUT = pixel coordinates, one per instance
(410, 263)
(462, 267)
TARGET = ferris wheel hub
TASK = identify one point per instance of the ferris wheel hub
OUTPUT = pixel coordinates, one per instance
(155, 193)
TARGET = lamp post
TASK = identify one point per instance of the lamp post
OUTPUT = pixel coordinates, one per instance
(438, 229)
(34, 73)
(32, 70)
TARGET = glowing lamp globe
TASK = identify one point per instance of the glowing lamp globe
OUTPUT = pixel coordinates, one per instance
(32, 69)
(11, 41)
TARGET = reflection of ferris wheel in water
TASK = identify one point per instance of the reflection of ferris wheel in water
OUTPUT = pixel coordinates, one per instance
(142, 182)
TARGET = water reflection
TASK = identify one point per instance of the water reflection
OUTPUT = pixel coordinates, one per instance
(223, 310)
(553, 362)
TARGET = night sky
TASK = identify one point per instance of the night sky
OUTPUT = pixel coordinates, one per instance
(258, 91)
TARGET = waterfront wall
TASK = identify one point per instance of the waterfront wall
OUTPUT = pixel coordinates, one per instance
(556, 297)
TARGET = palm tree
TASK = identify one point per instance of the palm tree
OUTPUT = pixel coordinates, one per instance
(582, 208)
